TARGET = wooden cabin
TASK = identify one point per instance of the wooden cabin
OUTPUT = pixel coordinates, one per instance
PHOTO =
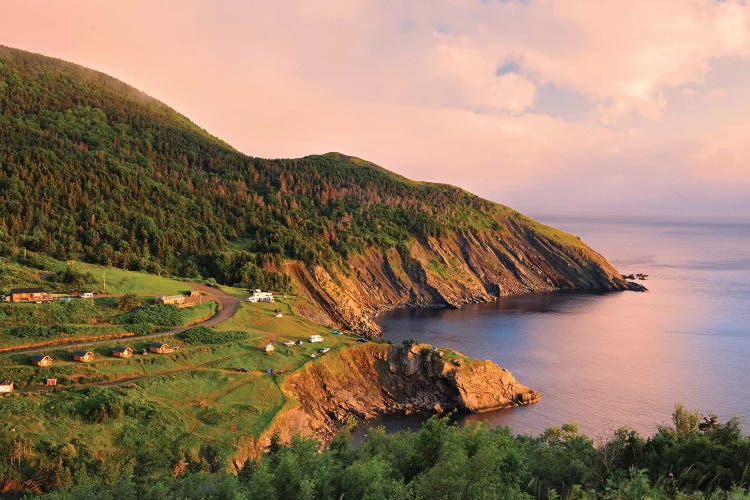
(83, 356)
(174, 300)
(269, 347)
(28, 295)
(41, 360)
(6, 386)
(160, 348)
(122, 351)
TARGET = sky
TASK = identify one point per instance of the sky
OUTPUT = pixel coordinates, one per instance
(573, 107)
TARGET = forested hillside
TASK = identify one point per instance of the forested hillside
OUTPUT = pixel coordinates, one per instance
(92, 169)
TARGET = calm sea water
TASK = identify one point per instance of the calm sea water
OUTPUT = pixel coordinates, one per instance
(608, 360)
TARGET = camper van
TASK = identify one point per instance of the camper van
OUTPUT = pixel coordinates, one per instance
(315, 338)
(259, 296)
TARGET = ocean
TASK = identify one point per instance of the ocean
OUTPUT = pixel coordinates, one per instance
(616, 359)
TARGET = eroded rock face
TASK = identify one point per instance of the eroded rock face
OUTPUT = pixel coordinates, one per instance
(368, 380)
(461, 268)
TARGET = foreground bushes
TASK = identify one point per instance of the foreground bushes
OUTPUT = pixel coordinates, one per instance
(700, 459)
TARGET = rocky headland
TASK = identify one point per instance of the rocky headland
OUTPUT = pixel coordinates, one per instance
(368, 380)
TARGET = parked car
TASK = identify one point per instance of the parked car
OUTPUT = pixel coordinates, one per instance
(242, 369)
(361, 339)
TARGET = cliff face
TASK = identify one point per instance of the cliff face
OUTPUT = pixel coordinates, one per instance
(463, 267)
(368, 380)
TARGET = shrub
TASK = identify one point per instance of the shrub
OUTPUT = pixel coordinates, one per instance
(100, 405)
(75, 278)
(129, 301)
(141, 328)
(204, 335)
(41, 331)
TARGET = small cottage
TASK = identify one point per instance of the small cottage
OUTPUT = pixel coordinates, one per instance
(160, 348)
(41, 360)
(28, 295)
(6, 386)
(122, 351)
(83, 356)
(269, 347)
(174, 300)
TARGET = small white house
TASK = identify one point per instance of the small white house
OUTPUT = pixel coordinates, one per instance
(315, 338)
(260, 296)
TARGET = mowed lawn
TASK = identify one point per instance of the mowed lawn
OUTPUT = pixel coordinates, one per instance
(260, 317)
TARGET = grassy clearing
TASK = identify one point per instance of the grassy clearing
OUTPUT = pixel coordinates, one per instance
(122, 281)
(200, 312)
(14, 274)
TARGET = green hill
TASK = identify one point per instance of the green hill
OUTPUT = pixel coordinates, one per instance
(94, 170)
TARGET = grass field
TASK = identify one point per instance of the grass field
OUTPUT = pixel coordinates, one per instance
(122, 281)
(14, 274)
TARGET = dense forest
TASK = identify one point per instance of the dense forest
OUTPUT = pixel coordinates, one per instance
(695, 457)
(92, 169)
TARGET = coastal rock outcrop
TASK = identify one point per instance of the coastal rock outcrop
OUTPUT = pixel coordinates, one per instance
(368, 380)
(459, 268)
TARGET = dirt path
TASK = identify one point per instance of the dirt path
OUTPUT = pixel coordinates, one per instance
(228, 305)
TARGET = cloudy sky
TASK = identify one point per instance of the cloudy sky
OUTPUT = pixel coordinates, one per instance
(615, 107)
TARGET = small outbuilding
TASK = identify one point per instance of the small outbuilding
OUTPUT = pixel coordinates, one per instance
(41, 360)
(122, 351)
(269, 347)
(174, 300)
(6, 386)
(83, 356)
(160, 348)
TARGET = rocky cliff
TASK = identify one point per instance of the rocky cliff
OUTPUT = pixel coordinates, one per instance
(522, 256)
(368, 380)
